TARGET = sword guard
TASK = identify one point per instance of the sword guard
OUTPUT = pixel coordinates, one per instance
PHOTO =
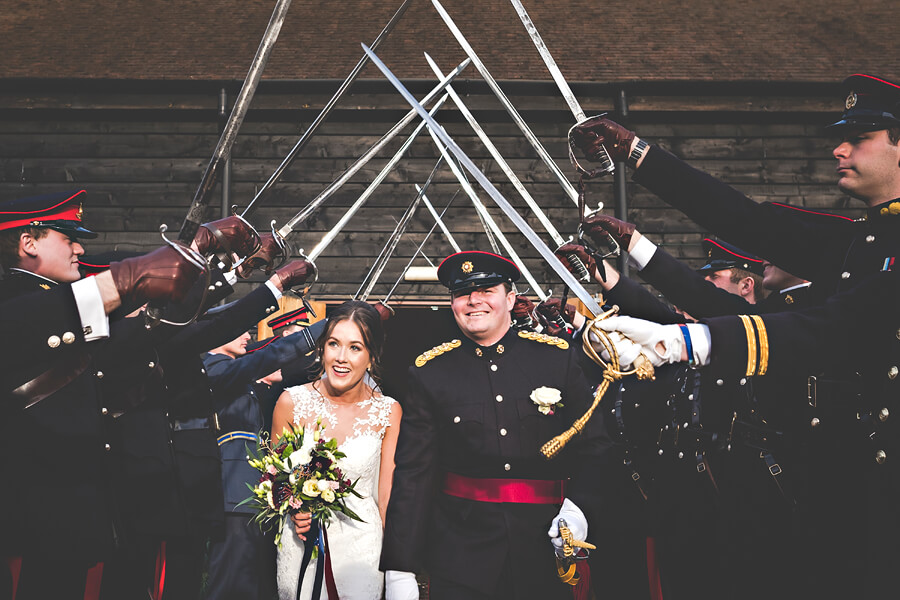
(153, 315)
(606, 164)
(581, 272)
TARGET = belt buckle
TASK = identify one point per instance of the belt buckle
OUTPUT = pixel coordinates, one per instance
(811, 390)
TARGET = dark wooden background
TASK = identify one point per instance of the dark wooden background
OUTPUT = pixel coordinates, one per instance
(140, 150)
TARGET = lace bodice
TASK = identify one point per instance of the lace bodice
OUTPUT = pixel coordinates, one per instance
(355, 546)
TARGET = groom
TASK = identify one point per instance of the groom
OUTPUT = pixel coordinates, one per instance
(473, 499)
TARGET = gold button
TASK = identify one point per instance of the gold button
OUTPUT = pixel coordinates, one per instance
(478, 352)
(53, 341)
(106, 447)
(788, 299)
(456, 419)
(845, 275)
(883, 414)
(99, 374)
(68, 337)
(870, 239)
(507, 467)
(880, 457)
(499, 398)
(494, 367)
(502, 431)
(151, 364)
(719, 382)
(212, 288)
(814, 422)
(501, 349)
(893, 372)
(103, 411)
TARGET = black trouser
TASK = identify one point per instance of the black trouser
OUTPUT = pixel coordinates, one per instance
(242, 566)
(443, 589)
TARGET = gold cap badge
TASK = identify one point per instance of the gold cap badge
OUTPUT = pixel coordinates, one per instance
(851, 100)
(467, 267)
(80, 212)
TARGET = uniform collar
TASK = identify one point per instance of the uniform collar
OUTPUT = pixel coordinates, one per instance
(494, 350)
(43, 282)
(885, 210)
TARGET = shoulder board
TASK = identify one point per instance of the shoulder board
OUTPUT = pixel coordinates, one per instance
(545, 339)
(436, 351)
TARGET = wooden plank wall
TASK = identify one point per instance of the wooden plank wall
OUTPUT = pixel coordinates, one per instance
(141, 157)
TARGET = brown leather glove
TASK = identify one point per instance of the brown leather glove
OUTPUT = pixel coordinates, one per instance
(163, 274)
(551, 312)
(231, 235)
(597, 226)
(566, 250)
(294, 273)
(384, 311)
(600, 131)
(264, 258)
(523, 310)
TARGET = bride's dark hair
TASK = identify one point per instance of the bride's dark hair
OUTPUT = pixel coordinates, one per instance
(364, 316)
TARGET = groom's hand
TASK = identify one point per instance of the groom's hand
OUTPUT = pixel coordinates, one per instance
(302, 523)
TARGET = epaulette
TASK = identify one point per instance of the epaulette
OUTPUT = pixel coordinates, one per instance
(436, 351)
(545, 339)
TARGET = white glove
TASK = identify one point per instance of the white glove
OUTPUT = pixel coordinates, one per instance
(661, 343)
(627, 350)
(400, 585)
(575, 520)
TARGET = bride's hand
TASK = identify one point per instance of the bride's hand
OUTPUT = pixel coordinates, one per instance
(302, 522)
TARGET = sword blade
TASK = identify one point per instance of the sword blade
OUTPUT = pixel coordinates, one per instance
(491, 226)
(492, 149)
(557, 75)
(329, 237)
(229, 133)
(310, 208)
(326, 110)
(492, 191)
(438, 220)
(388, 250)
(513, 113)
(418, 251)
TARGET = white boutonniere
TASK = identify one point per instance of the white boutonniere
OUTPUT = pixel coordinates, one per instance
(547, 399)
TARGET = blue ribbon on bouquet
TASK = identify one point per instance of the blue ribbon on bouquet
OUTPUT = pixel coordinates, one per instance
(323, 562)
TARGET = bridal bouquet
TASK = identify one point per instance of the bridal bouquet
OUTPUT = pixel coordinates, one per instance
(299, 475)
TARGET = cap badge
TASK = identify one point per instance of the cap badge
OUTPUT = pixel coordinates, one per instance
(851, 101)
(79, 212)
(467, 267)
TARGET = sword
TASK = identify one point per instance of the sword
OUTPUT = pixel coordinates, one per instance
(480, 208)
(307, 135)
(304, 214)
(329, 236)
(606, 164)
(492, 83)
(229, 133)
(583, 274)
(492, 191)
(381, 262)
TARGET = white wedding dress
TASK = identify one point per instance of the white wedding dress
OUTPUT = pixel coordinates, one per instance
(355, 546)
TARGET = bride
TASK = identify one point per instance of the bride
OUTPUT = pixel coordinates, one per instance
(364, 422)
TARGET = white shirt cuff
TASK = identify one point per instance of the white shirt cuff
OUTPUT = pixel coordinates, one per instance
(643, 251)
(275, 291)
(701, 342)
(94, 322)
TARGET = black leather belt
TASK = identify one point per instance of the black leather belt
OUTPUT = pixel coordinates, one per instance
(841, 394)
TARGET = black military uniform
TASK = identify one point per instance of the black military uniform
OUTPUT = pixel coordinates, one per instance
(60, 524)
(857, 521)
(470, 428)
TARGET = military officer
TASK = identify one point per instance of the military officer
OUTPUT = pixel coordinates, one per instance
(855, 258)
(57, 435)
(478, 410)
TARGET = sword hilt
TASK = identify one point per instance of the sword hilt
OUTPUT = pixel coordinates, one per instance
(579, 269)
(153, 315)
(606, 167)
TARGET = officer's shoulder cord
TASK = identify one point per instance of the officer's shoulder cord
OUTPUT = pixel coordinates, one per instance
(436, 351)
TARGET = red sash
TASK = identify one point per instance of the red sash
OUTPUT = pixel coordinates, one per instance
(519, 491)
